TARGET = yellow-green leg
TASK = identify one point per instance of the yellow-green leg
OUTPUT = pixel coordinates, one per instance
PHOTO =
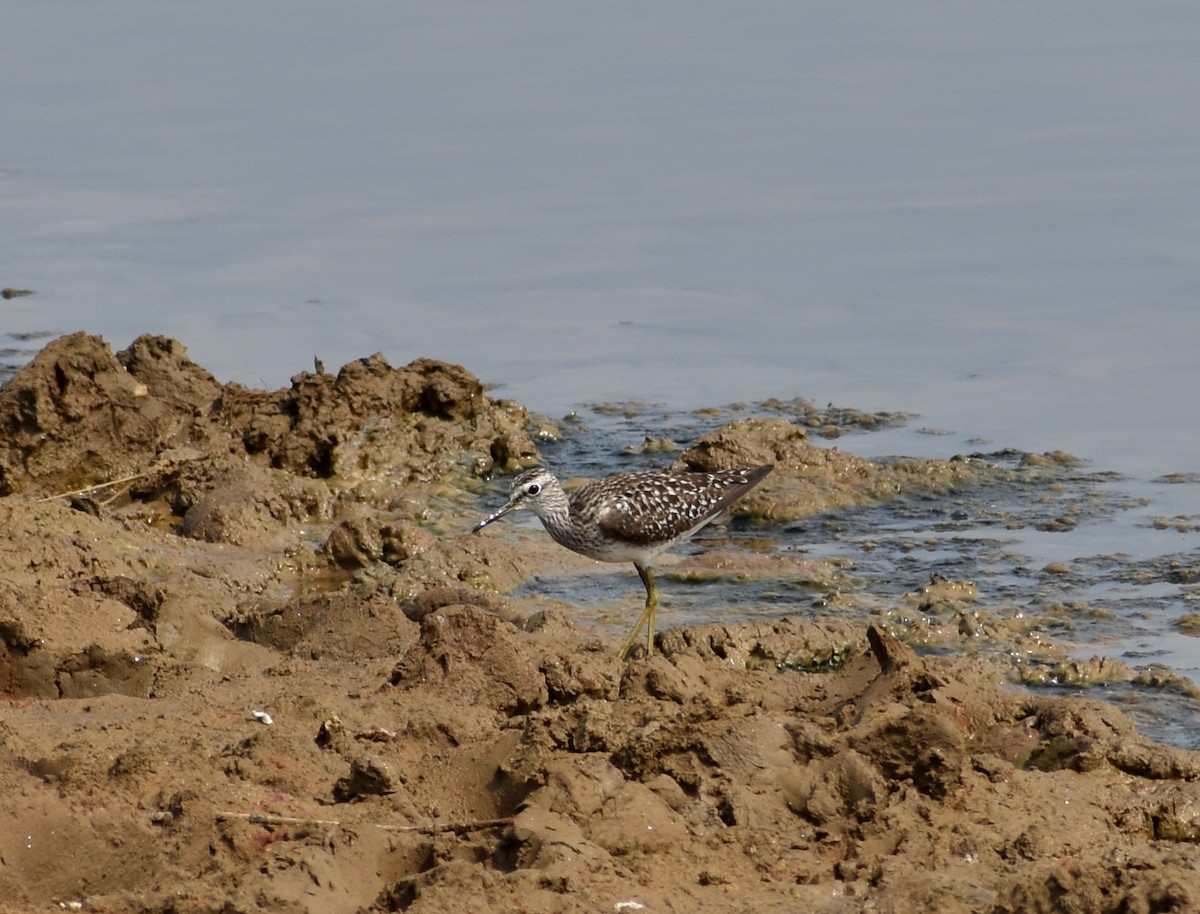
(646, 618)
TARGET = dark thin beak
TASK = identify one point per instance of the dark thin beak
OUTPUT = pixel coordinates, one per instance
(491, 517)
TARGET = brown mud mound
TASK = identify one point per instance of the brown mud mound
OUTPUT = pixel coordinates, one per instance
(808, 478)
(265, 668)
(80, 416)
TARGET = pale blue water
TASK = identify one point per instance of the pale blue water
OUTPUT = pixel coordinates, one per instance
(982, 214)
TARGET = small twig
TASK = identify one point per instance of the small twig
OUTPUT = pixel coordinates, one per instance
(160, 465)
(262, 818)
(99, 485)
(114, 496)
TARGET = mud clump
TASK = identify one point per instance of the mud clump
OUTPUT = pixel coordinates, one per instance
(79, 415)
(809, 479)
(324, 426)
(265, 668)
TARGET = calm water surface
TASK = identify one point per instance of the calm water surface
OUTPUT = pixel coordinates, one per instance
(983, 215)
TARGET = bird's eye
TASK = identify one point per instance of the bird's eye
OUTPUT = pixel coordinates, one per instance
(533, 489)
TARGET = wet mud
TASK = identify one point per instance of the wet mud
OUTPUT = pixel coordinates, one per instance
(251, 660)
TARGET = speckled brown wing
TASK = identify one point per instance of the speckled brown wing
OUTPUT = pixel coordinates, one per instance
(653, 508)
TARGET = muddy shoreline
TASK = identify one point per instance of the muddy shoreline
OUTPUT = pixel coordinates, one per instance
(251, 661)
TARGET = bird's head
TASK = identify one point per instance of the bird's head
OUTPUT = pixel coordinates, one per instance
(537, 489)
